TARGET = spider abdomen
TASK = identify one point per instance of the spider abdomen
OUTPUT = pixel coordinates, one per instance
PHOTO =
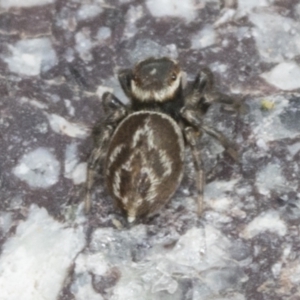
(144, 163)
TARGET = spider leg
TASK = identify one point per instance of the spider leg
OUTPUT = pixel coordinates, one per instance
(102, 134)
(111, 102)
(191, 137)
(193, 117)
(203, 93)
(222, 140)
(202, 84)
(125, 77)
(94, 162)
(234, 103)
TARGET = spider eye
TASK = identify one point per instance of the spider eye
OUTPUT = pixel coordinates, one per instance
(174, 76)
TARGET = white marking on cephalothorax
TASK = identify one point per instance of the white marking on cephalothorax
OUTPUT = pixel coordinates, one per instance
(160, 96)
(153, 71)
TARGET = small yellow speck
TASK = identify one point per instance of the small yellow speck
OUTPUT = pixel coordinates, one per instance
(267, 105)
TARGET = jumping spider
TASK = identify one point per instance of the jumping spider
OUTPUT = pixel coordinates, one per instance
(142, 145)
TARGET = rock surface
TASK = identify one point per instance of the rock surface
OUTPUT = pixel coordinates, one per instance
(57, 57)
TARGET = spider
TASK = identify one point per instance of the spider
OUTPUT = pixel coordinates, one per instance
(141, 147)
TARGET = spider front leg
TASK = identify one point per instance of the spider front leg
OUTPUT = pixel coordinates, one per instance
(102, 132)
(203, 93)
(194, 118)
(222, 140)
(125, 77)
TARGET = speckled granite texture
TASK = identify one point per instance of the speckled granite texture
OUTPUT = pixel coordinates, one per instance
(57, 57)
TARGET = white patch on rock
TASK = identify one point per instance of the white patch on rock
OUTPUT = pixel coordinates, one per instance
(216, 196)
(85, 265)
(218, 68)
(70, 107)
(84, 44)
(82, 288)
(69, 55)
(88, 11)
(34, 103)
(62, 126)
(31, 56)
(146, 47)
(248, 5)
(226, 16)
(129, 289)
(232, 296)
(260, 143)
(71, 159)
(5, 222)
(276, 268)
(284, 76)
(294, 148)
(194, 239)
(38, 168)
(277, 38)
(267, 221)
(133, 15)
(35, 261)
(183, 9)
(73, 169)
(297, 9)
(103, 89)
(204, 38)
(16, 202)
(270, 178)
(264, 123)
(92, 262)
(103, 33)
(79, 173)
(22, 3)
(202, 251)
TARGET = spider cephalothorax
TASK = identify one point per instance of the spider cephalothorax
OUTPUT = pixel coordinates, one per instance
(141, 146)
(155, 80)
